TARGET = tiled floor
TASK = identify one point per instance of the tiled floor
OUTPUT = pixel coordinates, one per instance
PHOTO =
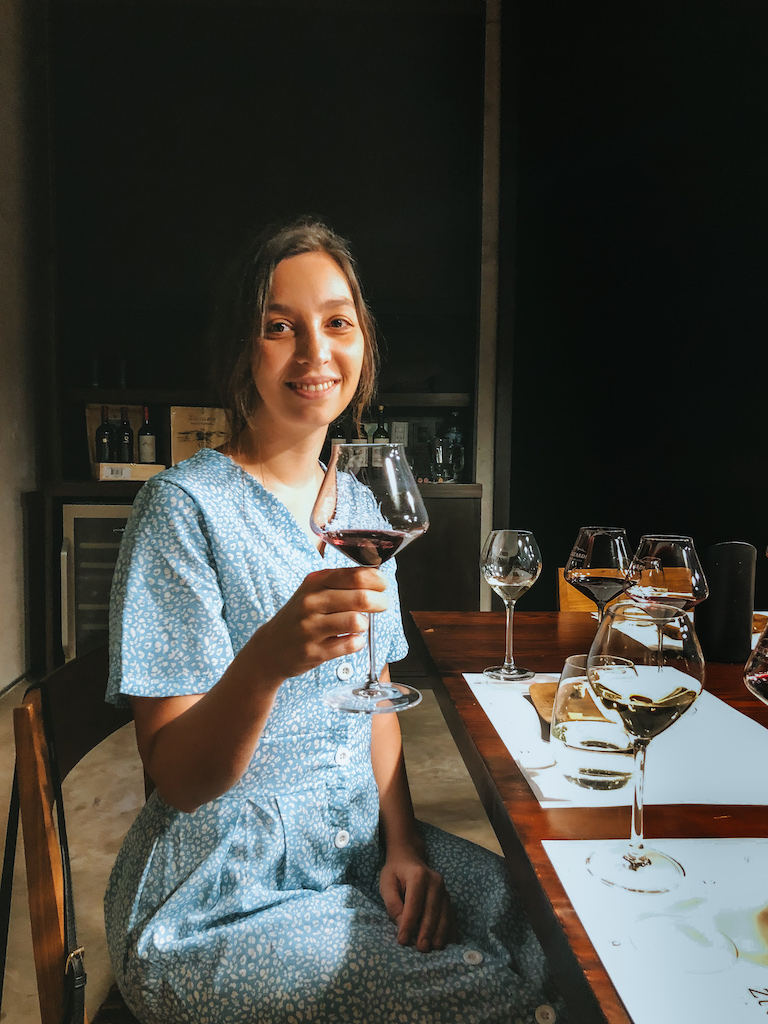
(104, 793)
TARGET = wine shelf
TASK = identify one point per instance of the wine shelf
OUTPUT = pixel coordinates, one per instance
(167, 396)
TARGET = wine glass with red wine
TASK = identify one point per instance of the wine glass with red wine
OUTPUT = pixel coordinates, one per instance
(369, 507)
(598, 564)
(756, 669)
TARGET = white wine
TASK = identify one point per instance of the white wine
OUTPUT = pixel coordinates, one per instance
(511, 585)
(646, 701)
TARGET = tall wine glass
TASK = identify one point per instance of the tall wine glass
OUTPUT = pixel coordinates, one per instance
(511, 563)
(666, 578)
(369, 507)
(645, 695)
(598, 563)
(666, 572)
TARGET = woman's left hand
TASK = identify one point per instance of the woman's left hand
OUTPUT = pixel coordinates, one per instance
(417, 901)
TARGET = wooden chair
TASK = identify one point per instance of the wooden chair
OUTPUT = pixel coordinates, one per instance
(73, 718)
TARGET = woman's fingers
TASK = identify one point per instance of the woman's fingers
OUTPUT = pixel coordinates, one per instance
(415, 892)
(326, 618)
(347, 579)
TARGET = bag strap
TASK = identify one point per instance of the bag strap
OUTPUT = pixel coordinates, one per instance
(74, 968)
(6, 879)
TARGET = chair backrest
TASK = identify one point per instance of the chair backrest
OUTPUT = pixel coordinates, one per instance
(71, 720)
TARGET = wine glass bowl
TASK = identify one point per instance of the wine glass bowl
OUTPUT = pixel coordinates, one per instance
(598, 563)
(591, 750)
(645, 690)
(369, 507)
(511, 564)
(665, 571)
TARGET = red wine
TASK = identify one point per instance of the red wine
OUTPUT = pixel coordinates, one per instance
(758, 684)
(599, 585)
(368, 547)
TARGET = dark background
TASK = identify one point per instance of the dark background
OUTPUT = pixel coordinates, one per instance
(183, 127)
(634, 221)
(634, 250)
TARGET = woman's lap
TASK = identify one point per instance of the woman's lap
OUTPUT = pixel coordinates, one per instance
(332, 955)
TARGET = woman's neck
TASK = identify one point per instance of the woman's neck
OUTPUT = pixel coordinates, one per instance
(290, 471)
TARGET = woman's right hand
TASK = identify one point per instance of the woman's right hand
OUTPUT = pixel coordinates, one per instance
(196, 747)
(326, 618)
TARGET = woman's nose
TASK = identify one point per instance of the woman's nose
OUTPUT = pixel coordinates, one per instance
(313, 345)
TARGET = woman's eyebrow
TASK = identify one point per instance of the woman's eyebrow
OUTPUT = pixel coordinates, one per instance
(342, 300)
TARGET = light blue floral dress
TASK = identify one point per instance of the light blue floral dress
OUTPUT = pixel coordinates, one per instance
(262, 906)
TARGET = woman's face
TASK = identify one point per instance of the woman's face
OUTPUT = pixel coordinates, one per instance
(307, 365)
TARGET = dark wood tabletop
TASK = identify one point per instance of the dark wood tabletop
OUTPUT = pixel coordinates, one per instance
(458, 642)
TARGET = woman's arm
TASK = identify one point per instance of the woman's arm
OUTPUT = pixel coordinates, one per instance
(414, 894)
(196, 747)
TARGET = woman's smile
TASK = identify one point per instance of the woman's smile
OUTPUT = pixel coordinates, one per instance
(313, 388)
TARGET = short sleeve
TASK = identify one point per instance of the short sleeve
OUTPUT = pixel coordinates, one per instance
(168, 635)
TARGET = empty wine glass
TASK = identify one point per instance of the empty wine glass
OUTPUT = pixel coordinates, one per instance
(598, 563)
(369, 507)
(591, 751)
(666, 572)
(666, 578)
(511, 563)
(646, 695)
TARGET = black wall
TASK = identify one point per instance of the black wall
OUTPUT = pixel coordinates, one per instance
(182, 127)
(634, 269)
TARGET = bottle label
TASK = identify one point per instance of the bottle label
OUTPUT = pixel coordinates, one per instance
(377, 456)
(147, 448)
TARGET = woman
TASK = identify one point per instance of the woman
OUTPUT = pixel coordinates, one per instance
(277, 873)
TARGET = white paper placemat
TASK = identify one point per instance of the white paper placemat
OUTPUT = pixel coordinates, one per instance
(721, 906)
(712, 755)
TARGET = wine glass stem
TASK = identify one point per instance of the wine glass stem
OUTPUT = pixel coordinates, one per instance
(509, 661)
(371, 681)
(636, 841)
(600, 610)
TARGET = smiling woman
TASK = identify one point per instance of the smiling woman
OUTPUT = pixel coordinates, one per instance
(243, 315)
(277, 873)
(308, 360)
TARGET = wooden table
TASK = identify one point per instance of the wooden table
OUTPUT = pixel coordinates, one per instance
(458, 642)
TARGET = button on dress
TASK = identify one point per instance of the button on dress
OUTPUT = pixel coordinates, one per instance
(262, 906)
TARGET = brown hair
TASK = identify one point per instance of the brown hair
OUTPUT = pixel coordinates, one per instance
(242, 314)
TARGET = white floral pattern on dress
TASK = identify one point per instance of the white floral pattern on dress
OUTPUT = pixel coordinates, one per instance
(254, 909)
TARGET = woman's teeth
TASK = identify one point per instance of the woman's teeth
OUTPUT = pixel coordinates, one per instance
(314, 387)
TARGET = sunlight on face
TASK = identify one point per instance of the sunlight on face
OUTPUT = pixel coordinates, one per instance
(307, 364)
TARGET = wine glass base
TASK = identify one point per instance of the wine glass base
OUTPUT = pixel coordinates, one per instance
(385, 698)
(500, 674)
(688, 940)
(616, 865)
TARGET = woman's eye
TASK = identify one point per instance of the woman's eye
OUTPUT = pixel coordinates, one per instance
(339, 322)
(279, 327)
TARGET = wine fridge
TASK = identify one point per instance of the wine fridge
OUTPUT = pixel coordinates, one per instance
(91, 536)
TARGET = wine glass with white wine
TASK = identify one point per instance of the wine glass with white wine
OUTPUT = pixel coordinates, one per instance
(511, 564)
(645, 691)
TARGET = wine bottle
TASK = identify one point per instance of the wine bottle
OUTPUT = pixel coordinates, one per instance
(124, 438)
(380, 435)
(338, 434)
(147, 440)
(105, 438)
